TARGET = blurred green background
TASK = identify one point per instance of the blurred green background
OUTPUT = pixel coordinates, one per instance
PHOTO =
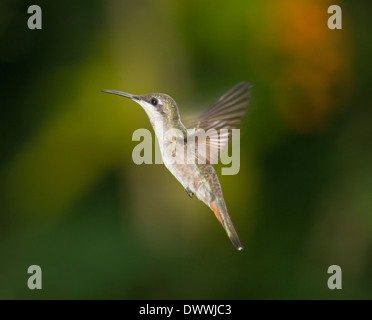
(73, 202)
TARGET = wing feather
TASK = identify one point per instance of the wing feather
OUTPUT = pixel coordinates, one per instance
(225, 114)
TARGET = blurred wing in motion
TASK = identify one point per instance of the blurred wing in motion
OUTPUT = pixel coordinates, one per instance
(222, 116)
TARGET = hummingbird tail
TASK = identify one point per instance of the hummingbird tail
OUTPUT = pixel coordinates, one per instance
(223, 217)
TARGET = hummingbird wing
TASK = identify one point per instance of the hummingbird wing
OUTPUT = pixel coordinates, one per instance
(219, 119)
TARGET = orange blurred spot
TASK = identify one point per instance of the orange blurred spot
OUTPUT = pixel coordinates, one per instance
(313, 78)
(216, 213)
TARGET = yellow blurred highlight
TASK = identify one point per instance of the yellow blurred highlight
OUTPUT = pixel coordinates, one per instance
(74, 148)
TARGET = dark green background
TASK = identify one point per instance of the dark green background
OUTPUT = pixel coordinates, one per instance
(73, 202)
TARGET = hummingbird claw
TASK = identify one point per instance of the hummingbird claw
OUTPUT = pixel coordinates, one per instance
(189, 192)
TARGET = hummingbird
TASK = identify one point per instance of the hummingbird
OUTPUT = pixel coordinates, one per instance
(197, 178)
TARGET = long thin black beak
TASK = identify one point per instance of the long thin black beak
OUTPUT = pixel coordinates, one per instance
(124, 94)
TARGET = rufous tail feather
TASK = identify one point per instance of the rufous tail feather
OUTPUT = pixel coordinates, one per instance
(223, 217)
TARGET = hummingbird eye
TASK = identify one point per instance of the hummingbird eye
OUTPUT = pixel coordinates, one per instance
(154, 101)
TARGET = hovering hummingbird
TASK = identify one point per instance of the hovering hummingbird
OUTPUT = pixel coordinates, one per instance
(197, 178)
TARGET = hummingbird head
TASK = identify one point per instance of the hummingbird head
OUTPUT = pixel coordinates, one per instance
(158, 106)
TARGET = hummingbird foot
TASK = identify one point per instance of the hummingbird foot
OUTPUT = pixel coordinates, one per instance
(189, 192)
